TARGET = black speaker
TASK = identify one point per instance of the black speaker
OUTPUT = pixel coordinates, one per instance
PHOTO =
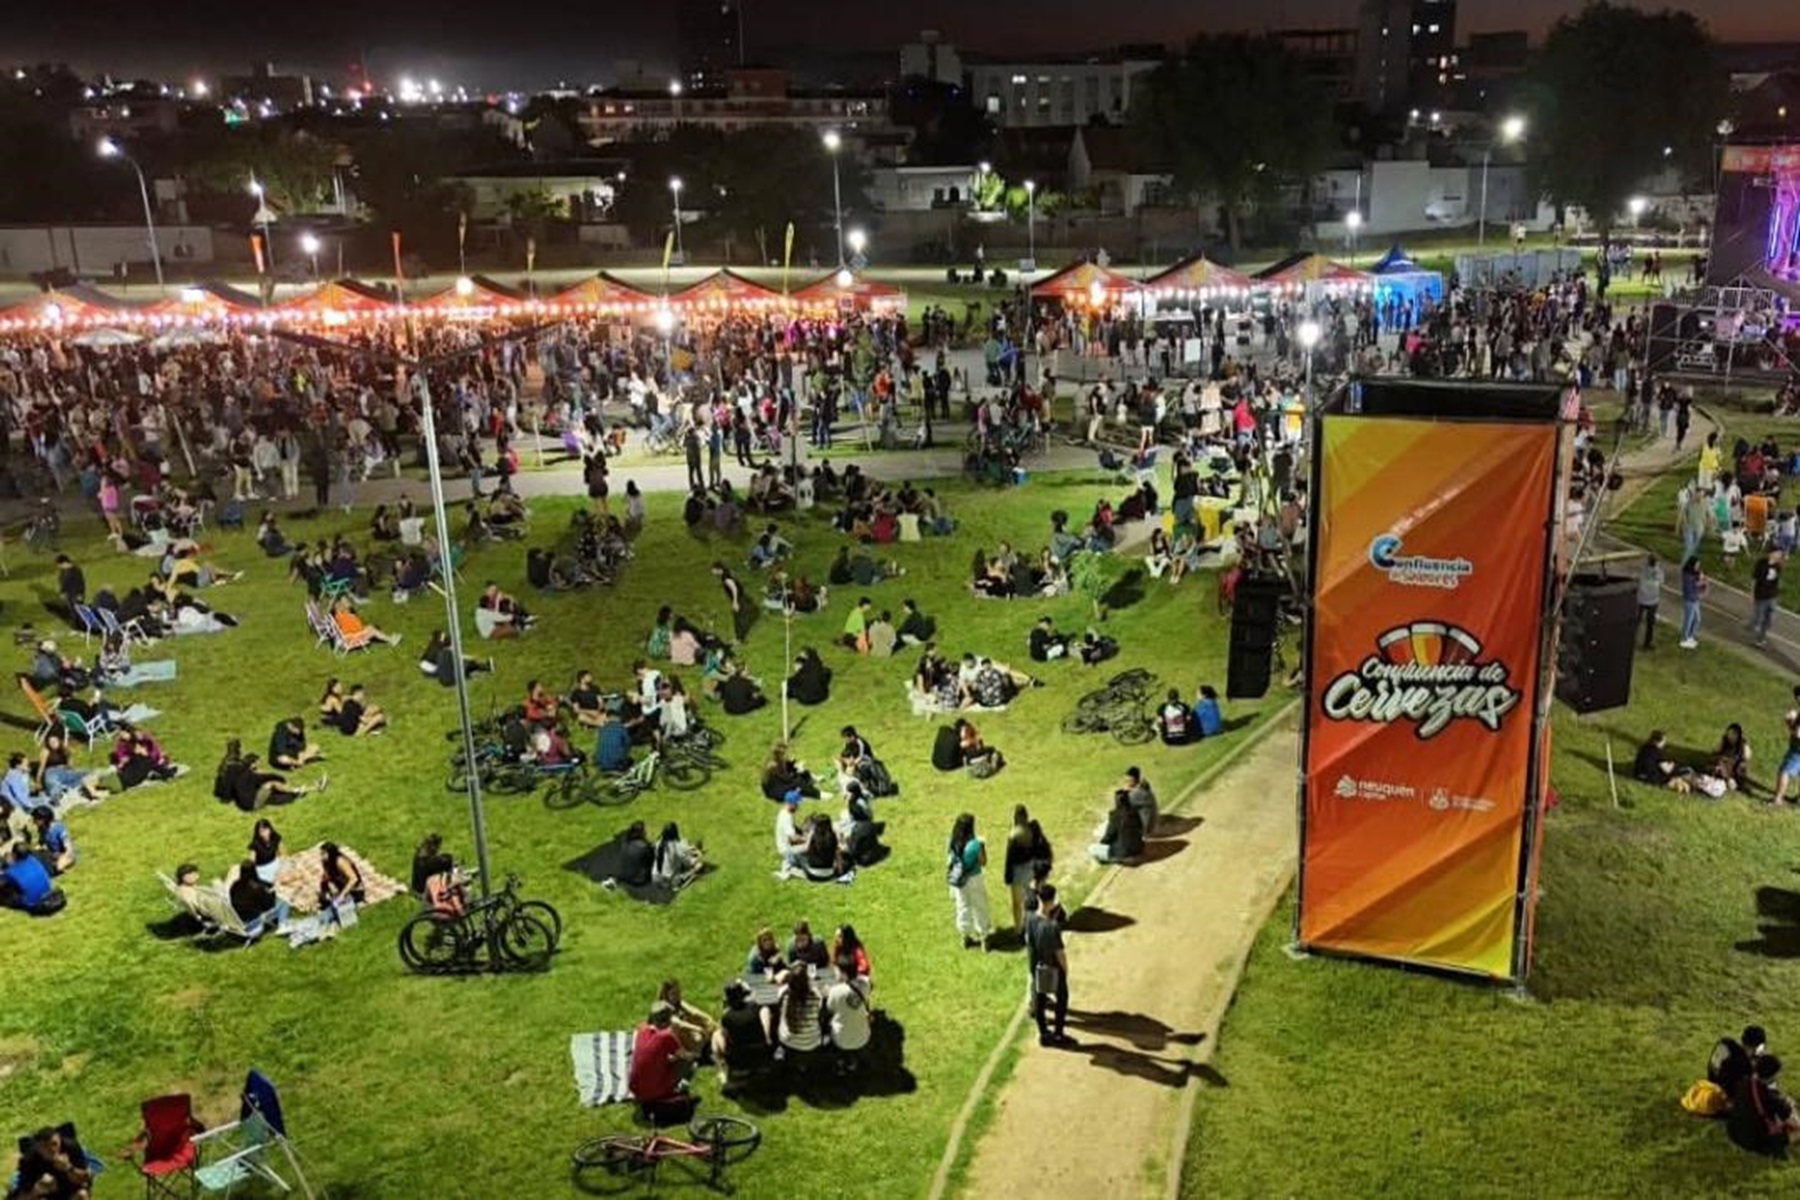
(1599, 636)
(1254, 612)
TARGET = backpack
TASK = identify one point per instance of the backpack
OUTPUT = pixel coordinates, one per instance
(957, 871)
(54, 902)
(986, 766)
(873, 774)
(1705, 1099)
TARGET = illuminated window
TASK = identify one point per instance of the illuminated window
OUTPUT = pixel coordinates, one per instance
(1020, 79)
(1431, 29)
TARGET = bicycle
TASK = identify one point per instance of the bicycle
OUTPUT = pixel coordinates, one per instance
(1117, 708)
(517, 935)
(617, 1162)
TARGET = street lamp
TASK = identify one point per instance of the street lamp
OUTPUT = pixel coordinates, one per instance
(465, 287)
(1511, 130)
(1352, 223)
(110, 149)
(1310, 333)
(1031, 225)
(834, 143)
(309, 244)
(675, 192)
(858, 240)
(1637, 205)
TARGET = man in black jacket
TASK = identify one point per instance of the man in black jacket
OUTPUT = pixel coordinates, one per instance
(1048, 962)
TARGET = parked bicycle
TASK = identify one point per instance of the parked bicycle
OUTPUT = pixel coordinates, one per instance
(1121, 708)
(512, 934)
(622, 1162)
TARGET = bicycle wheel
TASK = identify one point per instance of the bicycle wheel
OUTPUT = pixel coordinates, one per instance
(1135, 677)
(511, 779)
(570, 791)
(1079, 722)
(734, 1136)
(1134, 729)
(546, 916)
(430, 942)
(1096, 700)
(458, 781)
(612, 1164)
(684, 775)
(524, 942)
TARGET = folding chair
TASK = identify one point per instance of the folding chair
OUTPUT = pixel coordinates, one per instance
(215, 911)
(88, 731)
(48, 719)
(251, 1144)
(131, 631)
(184, 907)
(321, 625)
(164, 1152)
(90, 622)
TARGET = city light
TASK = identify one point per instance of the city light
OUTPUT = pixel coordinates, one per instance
(1512, 129)
(832, 141)
(674, 87)
(675, 184)
(1637, 205)
(665, 320)
(857, 240)
(1309, 334)
(1353, 220)
(107, 148)
(844, 277)
(198, 88)
(1031, 187)
(256, 189)
(465, 287)
(192, 295)
(309, 244)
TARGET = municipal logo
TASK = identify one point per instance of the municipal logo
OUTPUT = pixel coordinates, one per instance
(1417, 570)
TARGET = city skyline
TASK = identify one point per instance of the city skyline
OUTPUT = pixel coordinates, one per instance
(487, 49)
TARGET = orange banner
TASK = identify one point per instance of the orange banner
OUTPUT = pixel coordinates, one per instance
(1424, 663)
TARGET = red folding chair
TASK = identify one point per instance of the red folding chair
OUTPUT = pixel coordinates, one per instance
(164, 1152)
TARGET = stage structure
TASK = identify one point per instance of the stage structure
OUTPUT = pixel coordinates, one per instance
(1430, 652)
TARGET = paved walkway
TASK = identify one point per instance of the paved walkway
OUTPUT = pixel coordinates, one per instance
(1154, 958)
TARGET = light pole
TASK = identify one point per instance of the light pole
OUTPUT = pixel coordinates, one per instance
(1511, 130)
(1031, 224)
(675, 193)
(309, 244)
(1309, 332)
(110, 149)
(834, 143)
(1352, 223)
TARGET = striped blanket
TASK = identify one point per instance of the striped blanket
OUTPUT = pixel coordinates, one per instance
(602, 1065)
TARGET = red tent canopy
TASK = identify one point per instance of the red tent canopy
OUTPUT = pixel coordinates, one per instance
(205, 302)
(862, 292)
(1077, 281)
(726, 289)
(1298, 270)
(339, 296)
(1197, 274)
(74, 304)
(602, 291)
(483, 293)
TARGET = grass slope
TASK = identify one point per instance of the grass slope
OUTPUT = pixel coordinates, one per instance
(398, 1086)
(1664, 923)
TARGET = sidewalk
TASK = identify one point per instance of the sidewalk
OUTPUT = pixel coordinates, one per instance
(1154, 957)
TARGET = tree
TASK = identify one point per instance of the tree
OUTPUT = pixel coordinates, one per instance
(1611, 89)
(531, 212)
(1235, 118)
(295, 170)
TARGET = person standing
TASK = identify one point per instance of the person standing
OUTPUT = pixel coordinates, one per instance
(1683, 416)
(1048, 961)
(1765, 588)
(968, 884)
(690, 444)
(1692, 518)
(1790, 761)
(1710, 455)
(1693, 590)
(715, 453)
(1649, 593)
(743, 613)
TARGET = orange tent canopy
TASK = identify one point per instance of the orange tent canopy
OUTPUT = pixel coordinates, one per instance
(725, 288)
(483, 293)
(1193, 274)
(862, 291)
(1078, 280)
(1304, 268)
(339, 295)
(205, 301)
(602, 291)
(75, 303)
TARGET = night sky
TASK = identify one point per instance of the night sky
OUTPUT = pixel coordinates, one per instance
(489, 46)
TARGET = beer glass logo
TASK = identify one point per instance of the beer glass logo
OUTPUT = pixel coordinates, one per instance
(1429, 673)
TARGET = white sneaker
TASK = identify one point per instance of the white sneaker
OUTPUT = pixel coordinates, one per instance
(1688, 644)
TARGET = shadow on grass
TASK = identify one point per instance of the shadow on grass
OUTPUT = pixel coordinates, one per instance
(1160, 851)
(816, 1081)
(1778, 928)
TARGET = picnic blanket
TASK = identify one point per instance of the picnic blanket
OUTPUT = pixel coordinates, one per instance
(602, 863)
(602, 1066)
(298, 883)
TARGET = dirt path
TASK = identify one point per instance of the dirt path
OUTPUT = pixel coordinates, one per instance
(1153, 961)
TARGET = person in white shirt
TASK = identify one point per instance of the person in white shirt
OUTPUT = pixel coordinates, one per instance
(847, 1010)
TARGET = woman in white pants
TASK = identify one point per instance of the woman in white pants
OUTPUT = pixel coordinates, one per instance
(968, 882)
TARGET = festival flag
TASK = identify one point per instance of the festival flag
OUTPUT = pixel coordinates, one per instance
(668, 250)
(530, 254)
(256, 250)
(399, 275)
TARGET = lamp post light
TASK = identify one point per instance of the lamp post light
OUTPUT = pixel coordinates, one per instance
(858, 241)
(110, 149)
(309, 244)
(1309, 332)
(1031, 224)
(833, 143)
(675, 194)
(1511, 130)
(1352, 222)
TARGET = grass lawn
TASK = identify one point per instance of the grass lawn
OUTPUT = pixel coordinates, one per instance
(1650, 519)
(1664, 923)
(398, 1086)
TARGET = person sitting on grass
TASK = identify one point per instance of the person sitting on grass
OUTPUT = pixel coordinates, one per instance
(56, 775)
(678, 861)
(798, 1028)
(1654, 766)
(915, 628)
(1044, 643)
(288, 748)
(349, 712)
(1762, 1119)
(781, 775)
(846, 1010)
(791, 841)
(354, 629)
(138, 758)
(1208, 718)
(265, 849)
(1175, 721)
(339, 878)
(25, 882)
(769, 549)
(52, 1167)
(55, 846)
(1122, 838)
(251, 897)
(810, 682)
(692, 1027)
(805, 950)
(1143, 799)
(498, 615)
(1733, 759)
(269, 536)
(973, 751)
(1734, 1060)
(240, 781)
(439, 661)
(612, 745)
(384, 526)
(661, 1070)
(740, 1045)
(739, 694)
(637, 860)
(856, 627)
